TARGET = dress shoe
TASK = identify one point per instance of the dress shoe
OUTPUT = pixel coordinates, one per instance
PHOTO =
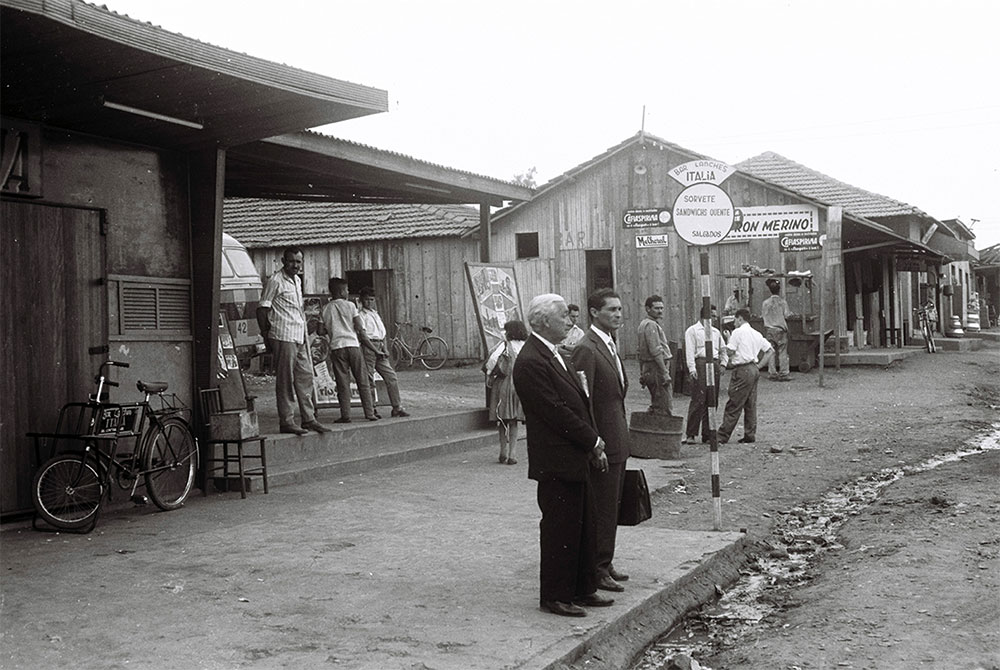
(377, 415)
(747, 440)
(373, 417)
(343, 419)
(723, 440)
(617, 576)
(317, 426)
(688, 440)
(511, 461)
(294, 430)
(399, 411)
(594, 600)
(563, 609)
(608, 583)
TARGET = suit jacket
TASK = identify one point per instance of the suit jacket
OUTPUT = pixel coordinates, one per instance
(607, 394)
(560, 427)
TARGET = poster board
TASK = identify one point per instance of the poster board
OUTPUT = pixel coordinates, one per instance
(232, 391)
(324, 384)
(497, 300)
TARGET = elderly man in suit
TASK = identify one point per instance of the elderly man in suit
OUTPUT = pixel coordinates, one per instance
(596, 356)
(563, 451)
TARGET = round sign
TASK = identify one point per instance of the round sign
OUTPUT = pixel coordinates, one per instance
(703, 214)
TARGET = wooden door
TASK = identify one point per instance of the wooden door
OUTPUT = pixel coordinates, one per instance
(54, 328)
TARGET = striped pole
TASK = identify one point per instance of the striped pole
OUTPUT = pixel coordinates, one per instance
(711, 396)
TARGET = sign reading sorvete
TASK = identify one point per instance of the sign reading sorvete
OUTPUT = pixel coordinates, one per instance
(799, 242)
(703, 213)
(773, 220)
(645, 218)
(650, 241)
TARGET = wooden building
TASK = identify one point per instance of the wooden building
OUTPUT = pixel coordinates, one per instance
(413, 255)
(579, 233)
(120, 140)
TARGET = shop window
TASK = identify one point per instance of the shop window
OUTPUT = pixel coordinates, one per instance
(527, 245)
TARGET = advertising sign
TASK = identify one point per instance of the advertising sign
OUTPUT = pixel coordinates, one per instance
(496, 298)
(703, 214)
(754, 223)
(799, 242)
(650, 241)
(702, 171)
(645, 218)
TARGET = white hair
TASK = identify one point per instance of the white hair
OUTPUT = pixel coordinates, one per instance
(541, 308)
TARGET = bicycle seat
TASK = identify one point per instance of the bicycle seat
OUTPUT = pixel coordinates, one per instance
(426, 329)
(151, 387)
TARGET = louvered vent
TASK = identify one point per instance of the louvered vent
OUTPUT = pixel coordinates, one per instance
(151, 307)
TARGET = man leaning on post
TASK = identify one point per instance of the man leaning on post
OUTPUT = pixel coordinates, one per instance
(282, 319)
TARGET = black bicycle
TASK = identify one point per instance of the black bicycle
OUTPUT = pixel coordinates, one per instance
(69, 488)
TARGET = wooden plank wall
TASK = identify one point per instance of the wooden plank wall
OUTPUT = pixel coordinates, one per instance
(585, 213)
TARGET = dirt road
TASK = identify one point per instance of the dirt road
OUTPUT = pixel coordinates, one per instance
(909, 578)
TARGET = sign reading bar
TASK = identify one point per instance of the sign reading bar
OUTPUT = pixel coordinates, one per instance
(650, 241)
(799, 242)
(645, 218)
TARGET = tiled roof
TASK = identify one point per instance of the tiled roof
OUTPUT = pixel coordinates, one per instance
(990, 256)
(261, 223)
(777, 169)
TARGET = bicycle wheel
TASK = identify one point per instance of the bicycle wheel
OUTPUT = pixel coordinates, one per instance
(170, 459)
(433, 352)
(68, 490)
(396, 354)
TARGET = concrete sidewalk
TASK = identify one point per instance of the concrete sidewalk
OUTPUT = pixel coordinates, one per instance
(428, 564)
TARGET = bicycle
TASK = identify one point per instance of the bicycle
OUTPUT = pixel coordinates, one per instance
(69, 488)
(925, 329)
(431, 351)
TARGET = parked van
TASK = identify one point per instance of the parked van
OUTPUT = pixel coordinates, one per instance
(241, 288)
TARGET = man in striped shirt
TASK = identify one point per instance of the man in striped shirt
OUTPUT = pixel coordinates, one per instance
(282, 319)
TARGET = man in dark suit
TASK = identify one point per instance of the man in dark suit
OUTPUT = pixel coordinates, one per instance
(563, 451)
(596, 356)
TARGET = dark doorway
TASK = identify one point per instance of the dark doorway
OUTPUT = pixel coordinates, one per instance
(600, 273)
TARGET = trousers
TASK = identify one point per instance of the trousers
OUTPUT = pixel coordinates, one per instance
(293, 382)
(742, 398)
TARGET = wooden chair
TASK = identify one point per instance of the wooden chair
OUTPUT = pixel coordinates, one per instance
(221, 454)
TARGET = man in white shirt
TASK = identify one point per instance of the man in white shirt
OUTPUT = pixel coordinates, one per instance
(377, 358)
(748, 353)
(282, 320)
(694, 353)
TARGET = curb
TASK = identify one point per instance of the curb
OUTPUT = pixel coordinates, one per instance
(619, 643)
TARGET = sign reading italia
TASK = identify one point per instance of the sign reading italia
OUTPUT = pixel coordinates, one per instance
(645, 218)
(650, 241)
(799, 242)
(702, 170)
(773, 220)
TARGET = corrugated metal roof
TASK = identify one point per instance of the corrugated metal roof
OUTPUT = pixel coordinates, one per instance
(259, 223)
(777, 169)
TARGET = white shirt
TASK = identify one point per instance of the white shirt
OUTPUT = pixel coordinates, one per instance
(746, 344)
(283, 294)
(694, 345)
(551, 347)
(373, 324)
(610, 344)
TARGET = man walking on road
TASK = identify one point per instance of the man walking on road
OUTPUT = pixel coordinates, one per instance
(596, 357)
(563, 447)
(282, 320)
(694, 354)
(775, 310)
(654, 358)
(377, 358)
(748, 353)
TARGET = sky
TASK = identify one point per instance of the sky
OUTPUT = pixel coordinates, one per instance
(898, 97)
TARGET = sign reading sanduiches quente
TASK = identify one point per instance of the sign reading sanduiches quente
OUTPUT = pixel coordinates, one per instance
(703, 214)
(645, 218)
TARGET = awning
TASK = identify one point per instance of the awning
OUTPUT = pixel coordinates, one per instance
(78, 67)
(862, 235)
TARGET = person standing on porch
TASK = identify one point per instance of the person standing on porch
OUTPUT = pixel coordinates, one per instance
(347, 335)
(377, 357)
(775, 310)
(282, 319)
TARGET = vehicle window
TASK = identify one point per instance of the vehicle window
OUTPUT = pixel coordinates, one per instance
(227, 269)
(242, 264)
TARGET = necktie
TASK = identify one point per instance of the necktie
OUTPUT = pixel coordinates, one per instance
(618, 362)
(561, 361)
